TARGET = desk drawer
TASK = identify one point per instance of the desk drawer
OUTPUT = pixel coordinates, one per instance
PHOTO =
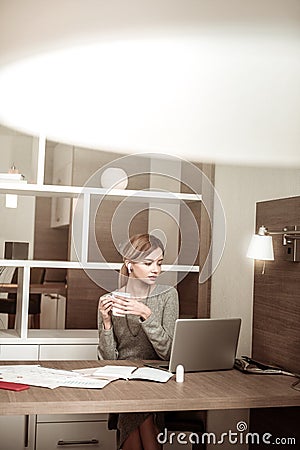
(75, 435)
(54, 418)
(71, 352)
(19, 352)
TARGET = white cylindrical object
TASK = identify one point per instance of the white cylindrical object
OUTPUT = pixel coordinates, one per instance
(179, 373)
(115, 310)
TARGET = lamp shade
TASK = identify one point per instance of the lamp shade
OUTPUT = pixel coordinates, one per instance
(261, 247)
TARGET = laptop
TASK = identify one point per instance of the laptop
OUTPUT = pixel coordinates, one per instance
(203, 345)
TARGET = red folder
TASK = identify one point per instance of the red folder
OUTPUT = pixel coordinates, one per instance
(13, 386)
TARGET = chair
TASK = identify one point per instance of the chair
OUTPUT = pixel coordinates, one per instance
(187, 421)
(8, 306)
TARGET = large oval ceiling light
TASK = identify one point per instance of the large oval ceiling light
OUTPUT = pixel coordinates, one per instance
(192, 78)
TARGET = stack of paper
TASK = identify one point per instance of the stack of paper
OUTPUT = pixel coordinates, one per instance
(94, 378)
(128, 373)
(36, 375)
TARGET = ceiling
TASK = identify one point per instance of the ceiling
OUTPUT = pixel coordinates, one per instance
(200, 79)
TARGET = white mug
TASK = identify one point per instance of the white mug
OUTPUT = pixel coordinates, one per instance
(115, 310)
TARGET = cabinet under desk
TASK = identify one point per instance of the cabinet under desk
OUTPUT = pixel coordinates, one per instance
(228, 389)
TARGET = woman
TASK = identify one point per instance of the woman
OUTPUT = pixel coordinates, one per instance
(143, 330)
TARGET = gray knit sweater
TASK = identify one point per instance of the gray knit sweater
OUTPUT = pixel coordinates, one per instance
(131, 338)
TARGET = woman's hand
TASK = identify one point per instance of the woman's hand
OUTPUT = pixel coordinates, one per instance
(105, 307)
(131, 306)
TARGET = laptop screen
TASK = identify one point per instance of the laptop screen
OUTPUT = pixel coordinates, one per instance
(205, 344)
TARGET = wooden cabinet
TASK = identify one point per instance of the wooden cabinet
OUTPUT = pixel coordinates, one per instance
(62, 176)
(50, 432)
(17, 433)
(19, 352)
(74, 431)
(71, 352)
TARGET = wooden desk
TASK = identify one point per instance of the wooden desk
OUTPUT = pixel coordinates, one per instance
(200, 391)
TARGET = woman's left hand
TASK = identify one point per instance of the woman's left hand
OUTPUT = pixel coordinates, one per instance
(132, 306)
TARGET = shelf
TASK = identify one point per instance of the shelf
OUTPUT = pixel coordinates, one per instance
(88, 265)
(45, 288)
(62, 336)
(40, 190)
(87, 196)
(43, 336)
(50, 190)
(9, 336)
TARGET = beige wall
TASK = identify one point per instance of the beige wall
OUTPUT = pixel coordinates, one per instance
(17, 224)
(232, 283)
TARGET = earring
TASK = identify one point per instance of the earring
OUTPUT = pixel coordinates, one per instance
(129, 267)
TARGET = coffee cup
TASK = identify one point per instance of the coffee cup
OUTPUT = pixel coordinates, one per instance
(117, 312)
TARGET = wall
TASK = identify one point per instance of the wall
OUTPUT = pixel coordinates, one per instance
(232, 283)
(16, 224)
(276, 317)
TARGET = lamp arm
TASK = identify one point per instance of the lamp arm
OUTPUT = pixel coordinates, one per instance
(286, 232)
(263, 231)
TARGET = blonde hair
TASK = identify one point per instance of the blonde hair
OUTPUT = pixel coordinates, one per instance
(137, 248)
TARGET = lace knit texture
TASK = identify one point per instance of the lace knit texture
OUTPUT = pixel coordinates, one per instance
(148, 339)
(154, 335)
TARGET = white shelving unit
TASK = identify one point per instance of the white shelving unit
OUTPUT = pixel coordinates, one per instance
(50, 190)
(36, 340)
(53, 344)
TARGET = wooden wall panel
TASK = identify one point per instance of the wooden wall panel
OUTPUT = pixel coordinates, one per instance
(200, 300)
(107, 237)
(276, 319)
(83, 296)
(49, 243)
(188, 295)
(83, 293)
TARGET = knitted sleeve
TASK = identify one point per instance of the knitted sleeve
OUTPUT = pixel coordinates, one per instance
(160, 330)
(107, 348)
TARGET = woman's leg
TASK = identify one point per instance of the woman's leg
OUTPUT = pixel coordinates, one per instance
(148, 434)
(133, 441)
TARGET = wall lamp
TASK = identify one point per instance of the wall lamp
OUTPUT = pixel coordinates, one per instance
(261, 245)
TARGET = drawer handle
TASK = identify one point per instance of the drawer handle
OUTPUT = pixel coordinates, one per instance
(89, 441)
(26, 435)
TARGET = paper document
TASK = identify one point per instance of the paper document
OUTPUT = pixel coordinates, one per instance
(147, 373)
(113, 372)
(36, 375)
(93, 378)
